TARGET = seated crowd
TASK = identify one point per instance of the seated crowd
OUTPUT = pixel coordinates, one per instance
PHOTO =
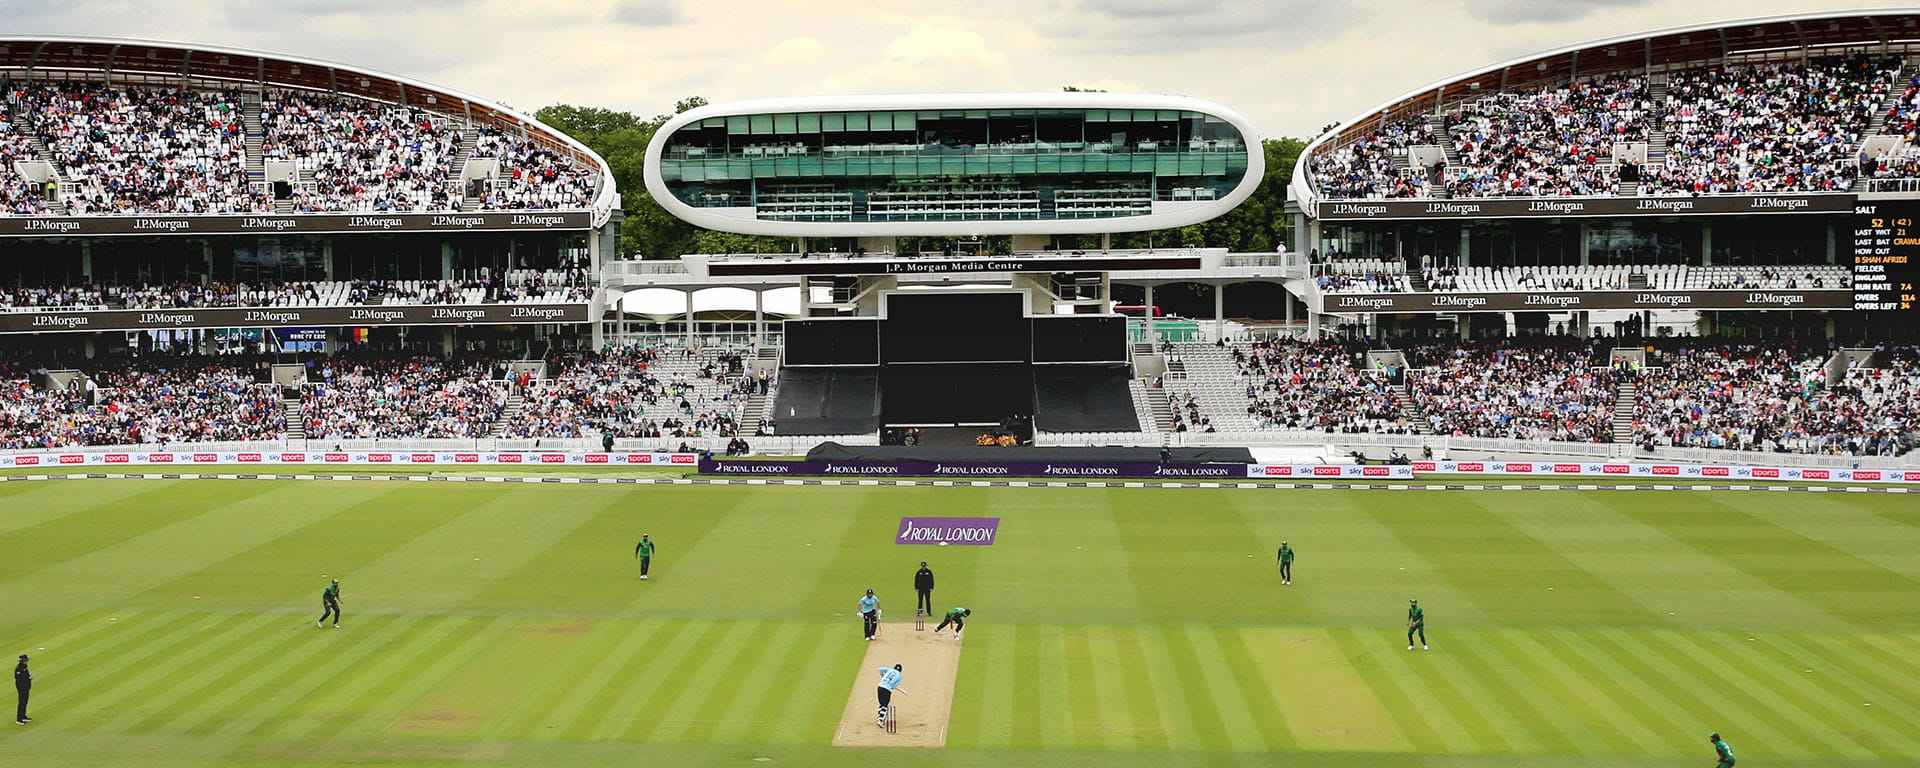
(402, 397)
(355, 155)
(1738, 129)
(1775, 128)
(1514, 389)
(1772, 398)
(1546, 141)
(531, 176)
(145, 150)
(568, 285)
(141, 149)
(1315, 386)
(1370, 168)
(144, 402)
(639, 392)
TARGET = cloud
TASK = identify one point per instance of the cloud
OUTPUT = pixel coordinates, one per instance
(794, 51)
(1542, 11)
(926, 42)
(646, 13)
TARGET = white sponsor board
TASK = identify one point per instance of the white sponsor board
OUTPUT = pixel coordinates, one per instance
(1311, 471)
(1637, 469)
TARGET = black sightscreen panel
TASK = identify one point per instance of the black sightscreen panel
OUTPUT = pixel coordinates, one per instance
(1083, 398)
(1072, 339)
(955, 328)
(832, 342)
(827, 401)
(972, 393)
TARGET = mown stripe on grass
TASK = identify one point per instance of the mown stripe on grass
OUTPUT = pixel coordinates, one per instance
(1450, 681)
(797, 642)
(1660, 716)
(218, 677)
(1428, 726)
(599, 688)
(532, 710)
(1083, 697)
(1180, 712)
(1117, 727)
(1138, 690)
(1237, 720)
(819, 695)
(1895, 724)
(747, 679)
(1637, 715)
(672, 699)
(1057, 728)
(1540, 723)
(1866, 677)
(982, 713)
(1247, 707)
(1026, 676)
(100, 667)
(1715, 653)
(1721, 701)
(390, 666)
(419, 669)
(1606, 730)
(626, 689)
(273, 687)
(144, 692)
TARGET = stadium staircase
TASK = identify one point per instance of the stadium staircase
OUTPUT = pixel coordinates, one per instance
(67, 186)
(256, 140)
(1624, 398)
(1638, 281)
(1874, 125)
(1453, 155)
(1410, 410)
(296, 425)
(457, 162)
(1416, 277)
(757, 404)
(1656, 133)
(1159, 411)
(516, 400)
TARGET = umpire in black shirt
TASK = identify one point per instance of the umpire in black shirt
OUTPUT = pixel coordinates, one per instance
(22, 683)
(923, 585)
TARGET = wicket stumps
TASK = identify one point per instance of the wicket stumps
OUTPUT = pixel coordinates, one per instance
(919, 619)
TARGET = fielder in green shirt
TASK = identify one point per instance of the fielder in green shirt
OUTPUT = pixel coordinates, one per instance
(1286, 563)
(958, 618)
(1721, 750)
(330, 604)
(1416, 622)
(644, 551)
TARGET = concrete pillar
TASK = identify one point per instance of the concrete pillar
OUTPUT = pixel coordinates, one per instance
(326, 258)
(446, 340)
(1289, 305)
(86, 263)
(689, 318)
(1464, 240)
(1153, 336)
(446, 261)
(1313, 324)
(1706, 242)
(759, 319)
(1219, 311)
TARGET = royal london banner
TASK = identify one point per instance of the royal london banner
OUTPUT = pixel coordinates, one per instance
(349, 458)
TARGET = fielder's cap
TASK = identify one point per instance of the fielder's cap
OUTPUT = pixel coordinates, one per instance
(1715, 735)
(23, 657)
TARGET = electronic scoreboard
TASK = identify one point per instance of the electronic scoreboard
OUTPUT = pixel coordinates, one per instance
(1886, 255)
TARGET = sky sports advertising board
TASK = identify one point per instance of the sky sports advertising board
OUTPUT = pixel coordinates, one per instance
(1885, 242)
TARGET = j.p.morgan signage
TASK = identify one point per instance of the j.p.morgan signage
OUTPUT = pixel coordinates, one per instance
(941, 266)
(60, 226)
(1363, 303)
(1511, 208)
(130, 320)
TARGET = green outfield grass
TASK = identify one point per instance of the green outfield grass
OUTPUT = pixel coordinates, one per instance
(171, 624)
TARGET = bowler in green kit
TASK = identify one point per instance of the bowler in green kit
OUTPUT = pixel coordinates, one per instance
(1722, 751)
(644, 551)
(1286, 564)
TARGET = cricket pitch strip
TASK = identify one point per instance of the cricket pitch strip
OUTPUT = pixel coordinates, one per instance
(920, 715)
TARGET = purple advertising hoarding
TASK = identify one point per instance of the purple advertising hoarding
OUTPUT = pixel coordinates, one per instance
(972, 469)
(947, 530)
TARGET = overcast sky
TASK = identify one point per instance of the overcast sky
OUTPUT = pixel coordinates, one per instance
(1290, 66)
